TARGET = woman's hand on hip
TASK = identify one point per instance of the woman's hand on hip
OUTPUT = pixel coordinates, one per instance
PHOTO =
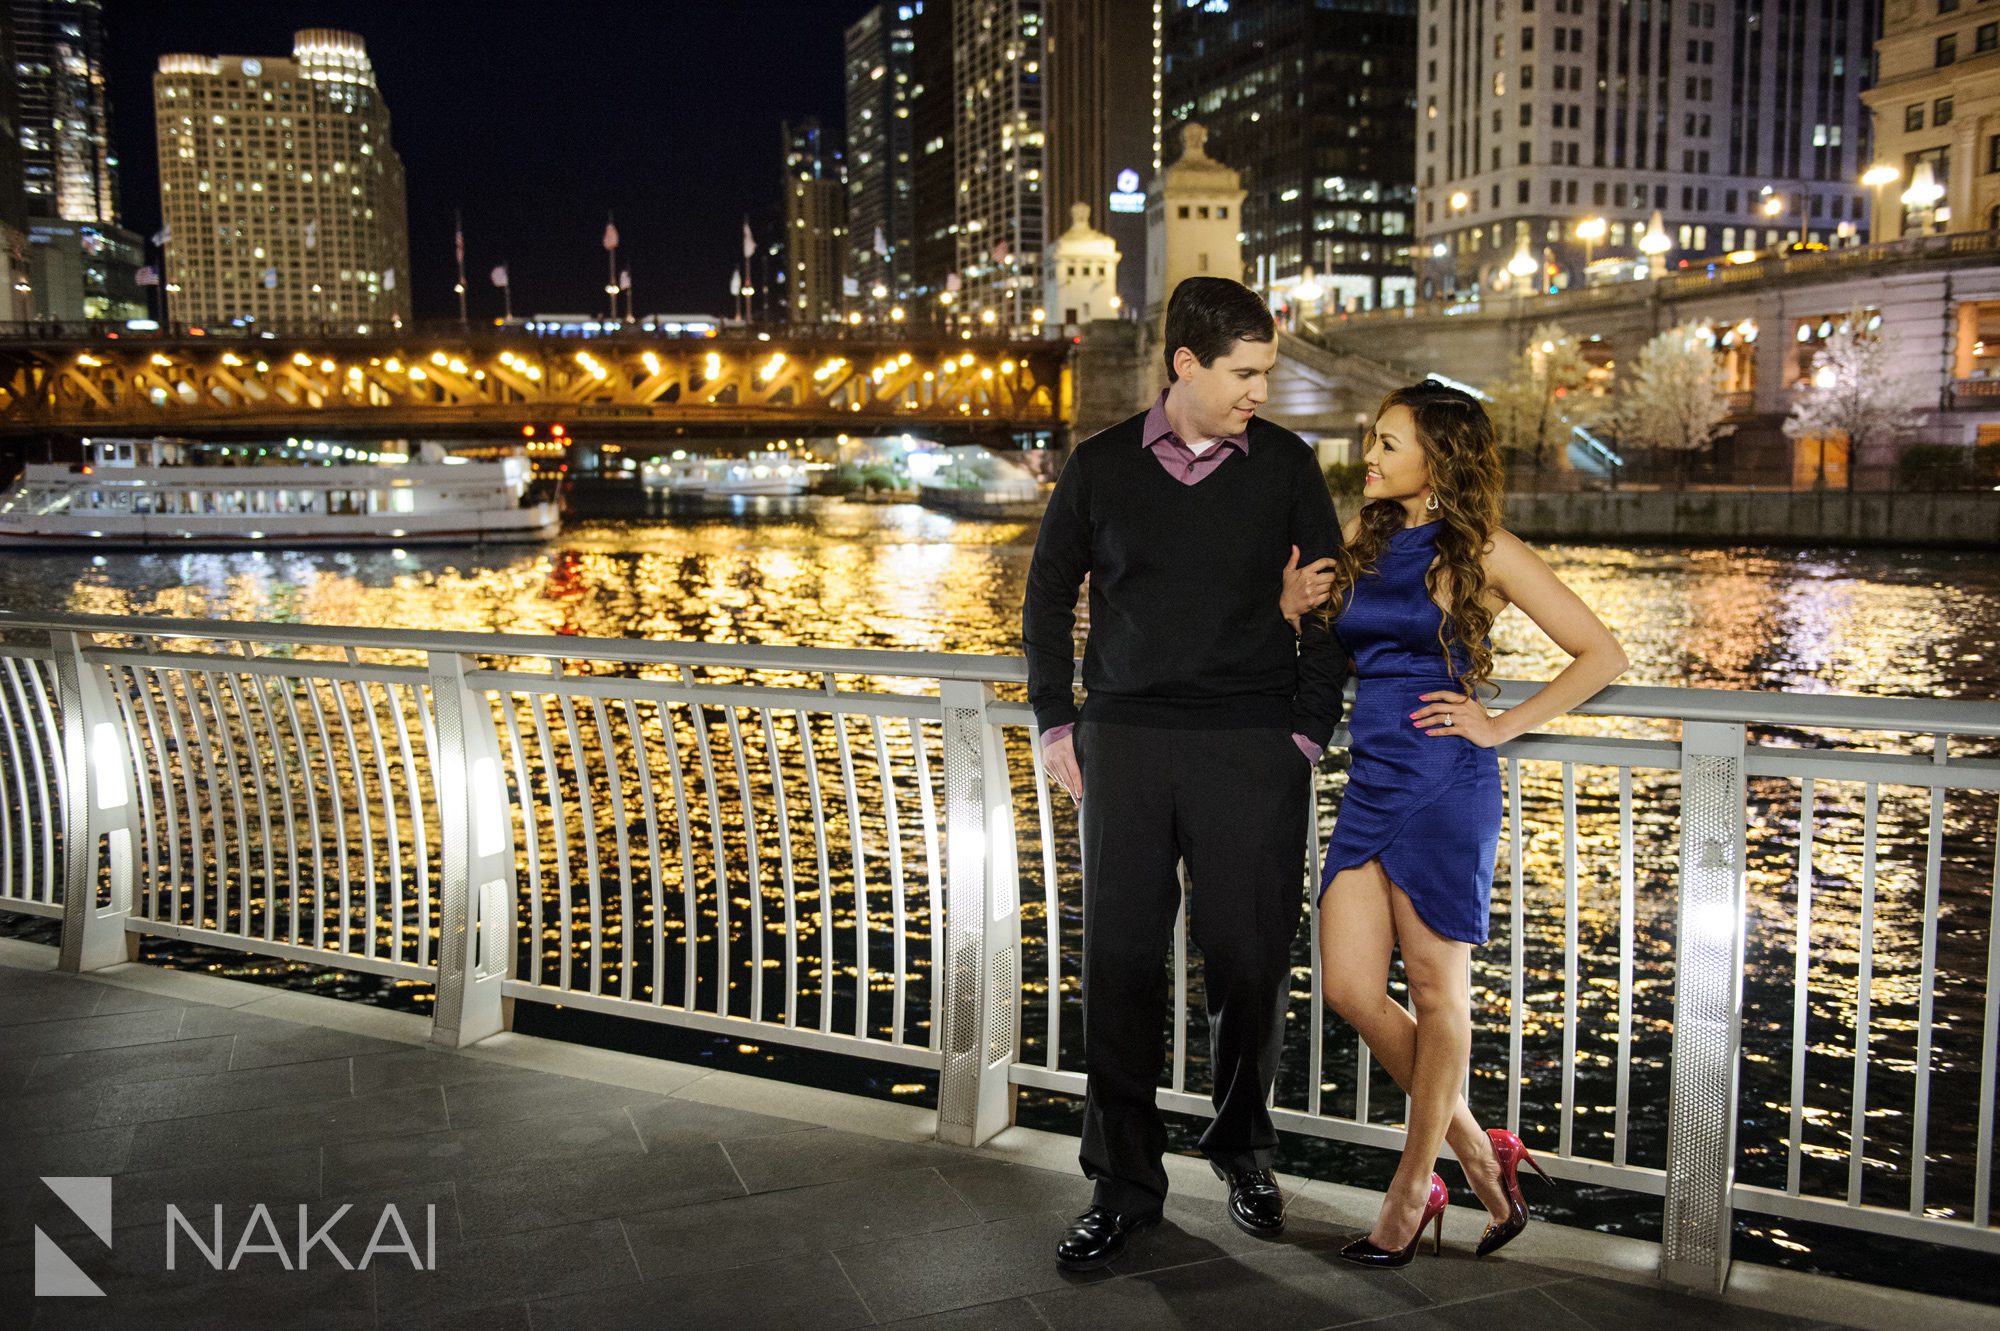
(1455, 716)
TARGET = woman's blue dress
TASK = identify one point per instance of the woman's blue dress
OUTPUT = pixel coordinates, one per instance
(1428, 807)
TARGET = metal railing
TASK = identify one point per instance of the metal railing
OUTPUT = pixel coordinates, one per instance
(1744, 954)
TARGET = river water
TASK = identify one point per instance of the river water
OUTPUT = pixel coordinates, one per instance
(819, 572)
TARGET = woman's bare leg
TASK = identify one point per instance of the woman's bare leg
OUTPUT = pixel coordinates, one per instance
(1357, 934)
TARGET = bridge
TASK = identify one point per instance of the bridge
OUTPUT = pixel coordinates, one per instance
(454, 383)
(1698, 997)
(1938, 298)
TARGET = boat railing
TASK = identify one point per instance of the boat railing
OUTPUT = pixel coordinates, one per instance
(1744, 955)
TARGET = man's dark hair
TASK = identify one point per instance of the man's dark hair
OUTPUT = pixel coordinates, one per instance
(1209, 315)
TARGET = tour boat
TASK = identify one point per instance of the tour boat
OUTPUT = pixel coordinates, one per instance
(147, 493)
(760, 472)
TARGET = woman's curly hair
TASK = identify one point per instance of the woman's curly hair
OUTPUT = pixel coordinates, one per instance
(1467, 479)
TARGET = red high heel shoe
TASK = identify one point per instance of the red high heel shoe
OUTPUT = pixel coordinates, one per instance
(1364, 1253)
(1508, 1150)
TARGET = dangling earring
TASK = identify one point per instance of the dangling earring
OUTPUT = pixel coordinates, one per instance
(1431, 502)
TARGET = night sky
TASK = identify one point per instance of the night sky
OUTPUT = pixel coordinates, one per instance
(535, 119)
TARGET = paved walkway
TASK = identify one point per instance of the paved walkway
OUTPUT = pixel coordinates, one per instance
(561, 1187)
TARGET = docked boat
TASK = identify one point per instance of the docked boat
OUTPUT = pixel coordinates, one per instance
(760, 472)
(149, 493)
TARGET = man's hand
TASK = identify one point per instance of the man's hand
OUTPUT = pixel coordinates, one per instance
(1305, 588)
(1059, 756)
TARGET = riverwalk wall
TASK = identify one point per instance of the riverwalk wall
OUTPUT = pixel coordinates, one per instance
(1968, 519)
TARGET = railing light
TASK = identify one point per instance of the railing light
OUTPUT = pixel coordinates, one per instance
(108, 766)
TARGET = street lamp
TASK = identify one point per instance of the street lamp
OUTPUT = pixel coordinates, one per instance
(1523, 263)
(1923, 194)
(1590, 230)
(1654, 245)
(1874, 178)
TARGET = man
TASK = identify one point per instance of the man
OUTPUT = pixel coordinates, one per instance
(1203, 716)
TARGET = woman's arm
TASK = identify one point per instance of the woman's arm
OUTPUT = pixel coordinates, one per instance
(1518, 574)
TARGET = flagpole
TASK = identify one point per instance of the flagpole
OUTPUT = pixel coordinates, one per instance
(458, 247)
(611, 264)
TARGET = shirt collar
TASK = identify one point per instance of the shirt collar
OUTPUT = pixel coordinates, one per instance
(1158, 428)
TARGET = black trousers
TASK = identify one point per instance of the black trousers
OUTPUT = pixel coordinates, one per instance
(1233, 804)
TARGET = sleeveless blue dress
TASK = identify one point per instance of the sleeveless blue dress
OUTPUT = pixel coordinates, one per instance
(1427, 807)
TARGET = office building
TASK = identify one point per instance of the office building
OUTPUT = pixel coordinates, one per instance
(281, 191)
(1936, 117)
(934, 165)
(1740, 123)
(1312, 104)
(1101, 123)
(68, 170)
(880, 225)
(815, 224)
(999, 152)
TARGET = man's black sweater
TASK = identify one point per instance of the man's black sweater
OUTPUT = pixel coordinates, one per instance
(1185, 630)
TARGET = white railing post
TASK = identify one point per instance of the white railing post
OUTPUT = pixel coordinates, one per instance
(476, 888)
(982, 927)
(98, 835)
(1708, 1009)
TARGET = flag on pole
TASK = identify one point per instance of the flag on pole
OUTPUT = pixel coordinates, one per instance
(749, 241)
(850, 286)
(312, 234)
(163, 235)
(1000, 252)
(881, 245)
(610, 236)
(735, 283)
(458, 237)
(499, 274)
(149, 276)
(270, 278)
(624, 279)
(953, 282)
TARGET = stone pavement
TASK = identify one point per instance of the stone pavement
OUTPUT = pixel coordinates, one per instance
(547, 1186)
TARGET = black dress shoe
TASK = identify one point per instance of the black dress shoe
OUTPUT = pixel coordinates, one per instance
(1098, 1236)
(1255, 1203)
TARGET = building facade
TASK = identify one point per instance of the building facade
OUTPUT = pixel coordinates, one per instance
(880, 223)
(67, 166)
(999, 156)
(282, 194)
(1936, 112)
(1313, 105)
(815, 224)
(1101, 123)
(1194, 223)
(934, 164)
(1738, 121)
(1080, 275)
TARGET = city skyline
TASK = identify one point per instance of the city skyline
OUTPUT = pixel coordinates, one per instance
(557, 115)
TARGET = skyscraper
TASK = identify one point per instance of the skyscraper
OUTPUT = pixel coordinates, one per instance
(1738, 121)
(879, 186)
(999, 153)
(68, 168)
(934, 165)
(815, 223)
(282, 193)
(1312, 103)
(1099, 76)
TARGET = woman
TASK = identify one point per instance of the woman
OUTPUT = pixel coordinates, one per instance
(1423, 570)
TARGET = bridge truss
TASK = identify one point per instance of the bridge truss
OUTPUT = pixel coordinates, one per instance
(490, 384)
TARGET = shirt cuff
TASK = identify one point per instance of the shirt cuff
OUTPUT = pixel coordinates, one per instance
(1311, 750)
(1054, 733)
